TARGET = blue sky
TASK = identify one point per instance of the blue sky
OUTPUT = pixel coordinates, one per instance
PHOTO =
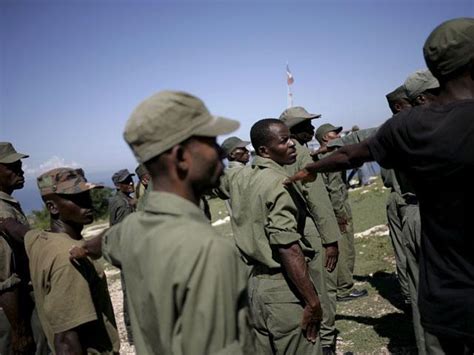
(71, 72)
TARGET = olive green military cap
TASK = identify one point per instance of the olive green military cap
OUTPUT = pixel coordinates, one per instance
(8, 154)
(397, 94)
(141, 170)
(295, 115)
(232, 143)
(326, 128)
(168, 118)
(418, 82)
(65, 181)
(450, 46)
(121, 175)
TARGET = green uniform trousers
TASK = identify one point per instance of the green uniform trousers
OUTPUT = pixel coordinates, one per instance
(277, 314)
(394, 216)
(346, 261)
(318, 273)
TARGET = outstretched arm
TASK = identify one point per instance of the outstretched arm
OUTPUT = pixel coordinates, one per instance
(92, 248)
(347, 157)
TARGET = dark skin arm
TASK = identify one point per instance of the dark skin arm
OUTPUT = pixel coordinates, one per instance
(348, 157)
(332, 255)
(67, 343)
(92, 248)
(18, 306)
(295, 266)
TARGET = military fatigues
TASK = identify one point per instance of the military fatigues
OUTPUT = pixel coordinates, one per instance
(188, 283)
(69, 295)
(10, 277)
(339, 197)
(321, 228)
(120, 207)
(265, 216)
(395, 203)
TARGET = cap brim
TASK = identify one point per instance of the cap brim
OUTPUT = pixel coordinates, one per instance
(297, 120)
(86, 186)
(13, 158)
(217, 127)
(242, 144)
(338, 129)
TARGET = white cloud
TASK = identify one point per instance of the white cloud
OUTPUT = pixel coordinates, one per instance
(51, 163)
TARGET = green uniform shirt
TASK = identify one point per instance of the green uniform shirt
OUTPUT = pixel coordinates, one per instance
(68, 295)
(185, 283)
(265, 213)
(317, 199)
(338, 194)
(119, 207)
(9, 208)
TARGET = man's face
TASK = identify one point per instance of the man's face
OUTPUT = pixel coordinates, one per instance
(303, 132)
(126, 186)
(280, 148)
(401, 104)
(75, 208)
(241, 155)
(11, 176)
(206, 162)
(331, 136)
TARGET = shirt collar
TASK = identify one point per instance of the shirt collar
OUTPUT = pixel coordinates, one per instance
(6, 197)
(172, 204)
(235, 164)
(261, 162)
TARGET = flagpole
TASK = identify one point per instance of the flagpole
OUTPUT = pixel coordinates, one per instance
(289, 81)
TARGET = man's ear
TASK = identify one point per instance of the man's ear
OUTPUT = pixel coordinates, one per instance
(52, 207)
(180, 157)
(263, 151)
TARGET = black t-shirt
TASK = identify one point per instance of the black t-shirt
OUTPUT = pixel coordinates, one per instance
(434, 146)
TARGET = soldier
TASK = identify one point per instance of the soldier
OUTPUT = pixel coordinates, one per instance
(236, 152)
(268, 225)
(142, 183)
(339, 196)
(188, 285)
(122, 204)
(72, 299)
(15, 300)
(321, 226)
(438, 161)
(14, 319)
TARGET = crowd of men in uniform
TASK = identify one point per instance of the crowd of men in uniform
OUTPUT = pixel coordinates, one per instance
(272, 289)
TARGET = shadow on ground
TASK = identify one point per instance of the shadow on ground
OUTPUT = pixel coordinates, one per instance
(387, 287)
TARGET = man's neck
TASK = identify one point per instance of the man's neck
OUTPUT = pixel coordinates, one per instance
(461, 88)
(6, 190)
(73, 230)
(181, 189)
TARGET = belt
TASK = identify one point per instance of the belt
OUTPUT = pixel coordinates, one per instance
(265, 271)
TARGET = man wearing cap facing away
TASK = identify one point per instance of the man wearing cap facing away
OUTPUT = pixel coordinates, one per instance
(268, 225)
(339, 196)
(16, 334)
(321, 225)
(72, 298)
(433, 145)
(187, 284)
(122, 204)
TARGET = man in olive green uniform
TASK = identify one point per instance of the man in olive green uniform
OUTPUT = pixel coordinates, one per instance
(187, 284)
(321, 226)
(72, 298)
(421, 88)
(14, 275)
(236, 152)
(268, 226)
(122, 204)
(339, 196)
(141, 189)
